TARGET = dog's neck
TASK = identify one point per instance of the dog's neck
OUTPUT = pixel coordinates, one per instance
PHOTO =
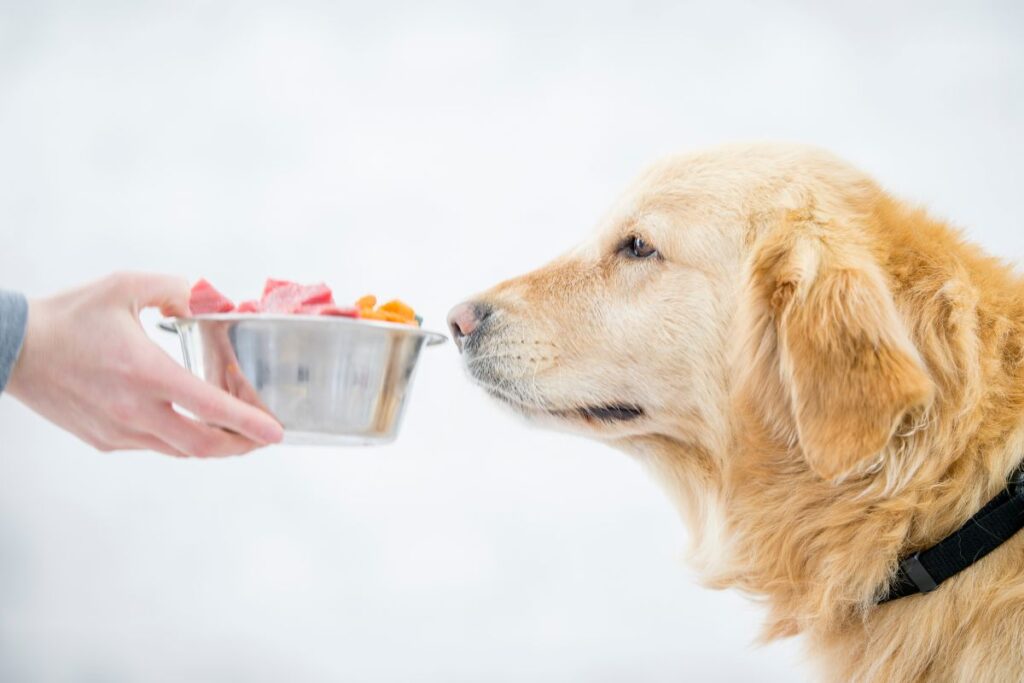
(819, 553)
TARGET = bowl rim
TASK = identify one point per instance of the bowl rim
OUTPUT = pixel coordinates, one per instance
(173, 324)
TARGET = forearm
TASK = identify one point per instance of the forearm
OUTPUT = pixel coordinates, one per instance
(13, 318)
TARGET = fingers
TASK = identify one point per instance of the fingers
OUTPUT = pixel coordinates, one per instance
(144, 442)
(108, 440)
(216, 406)
(171, 434)
(169, 293)
(189, 437)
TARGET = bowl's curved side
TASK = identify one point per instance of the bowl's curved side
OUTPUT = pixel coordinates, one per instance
(340, 384)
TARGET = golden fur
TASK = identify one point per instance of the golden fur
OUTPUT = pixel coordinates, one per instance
(830, 379)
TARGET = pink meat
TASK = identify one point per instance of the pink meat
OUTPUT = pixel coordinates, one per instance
(279, 296)
(205, 299)
(329, 309)
(291, 297)
(340, 311)
(318, 294)
(271, 284)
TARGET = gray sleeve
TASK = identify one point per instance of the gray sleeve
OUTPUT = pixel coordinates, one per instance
(13, 318)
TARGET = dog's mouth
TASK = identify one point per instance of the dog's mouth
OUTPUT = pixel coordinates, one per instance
(613, 412)
(525, 398)
(607, 413)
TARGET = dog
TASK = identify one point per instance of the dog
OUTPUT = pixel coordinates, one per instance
(824, 378)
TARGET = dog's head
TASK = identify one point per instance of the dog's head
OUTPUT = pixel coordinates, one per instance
(744, 277)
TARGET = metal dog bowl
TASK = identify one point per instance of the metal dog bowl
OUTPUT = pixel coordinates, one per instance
(326, 380)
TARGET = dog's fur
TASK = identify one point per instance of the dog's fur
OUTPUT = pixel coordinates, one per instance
(824, 378)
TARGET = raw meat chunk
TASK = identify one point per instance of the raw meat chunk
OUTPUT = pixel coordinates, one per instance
(329, 309)
(271, 284)
(205, 299)
(289, 297)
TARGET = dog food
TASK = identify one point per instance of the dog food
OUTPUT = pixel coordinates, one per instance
(292, 298)
(206, 299)
(393, 311)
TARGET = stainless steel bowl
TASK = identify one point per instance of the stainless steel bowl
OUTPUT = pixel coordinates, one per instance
(327, 380)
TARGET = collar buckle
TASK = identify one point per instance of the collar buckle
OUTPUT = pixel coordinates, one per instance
(918, 575)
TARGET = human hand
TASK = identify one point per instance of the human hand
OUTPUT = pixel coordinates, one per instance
(87, 366)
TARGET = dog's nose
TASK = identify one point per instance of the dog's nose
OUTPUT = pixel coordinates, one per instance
(464, 319)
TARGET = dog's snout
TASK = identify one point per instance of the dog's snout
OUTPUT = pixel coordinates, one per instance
(465, 319)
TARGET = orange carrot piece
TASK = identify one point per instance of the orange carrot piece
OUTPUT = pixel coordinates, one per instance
(399, 308)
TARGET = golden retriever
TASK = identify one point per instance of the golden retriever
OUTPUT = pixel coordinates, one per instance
(824, 378)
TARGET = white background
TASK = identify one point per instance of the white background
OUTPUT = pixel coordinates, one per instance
(423, 152)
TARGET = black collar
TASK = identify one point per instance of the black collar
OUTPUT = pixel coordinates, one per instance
(993, 525)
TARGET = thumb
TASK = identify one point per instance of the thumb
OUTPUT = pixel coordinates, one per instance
(169, 293)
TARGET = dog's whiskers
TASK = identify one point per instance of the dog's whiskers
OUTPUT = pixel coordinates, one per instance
(490, 356)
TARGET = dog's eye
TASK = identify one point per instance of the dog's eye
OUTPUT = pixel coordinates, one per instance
(637, 247)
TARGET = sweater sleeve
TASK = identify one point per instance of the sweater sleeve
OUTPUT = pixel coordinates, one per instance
(13, 318)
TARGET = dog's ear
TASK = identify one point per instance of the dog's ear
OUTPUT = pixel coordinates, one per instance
(832, 339)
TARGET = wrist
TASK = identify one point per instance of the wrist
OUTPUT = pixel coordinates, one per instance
(21, 369)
